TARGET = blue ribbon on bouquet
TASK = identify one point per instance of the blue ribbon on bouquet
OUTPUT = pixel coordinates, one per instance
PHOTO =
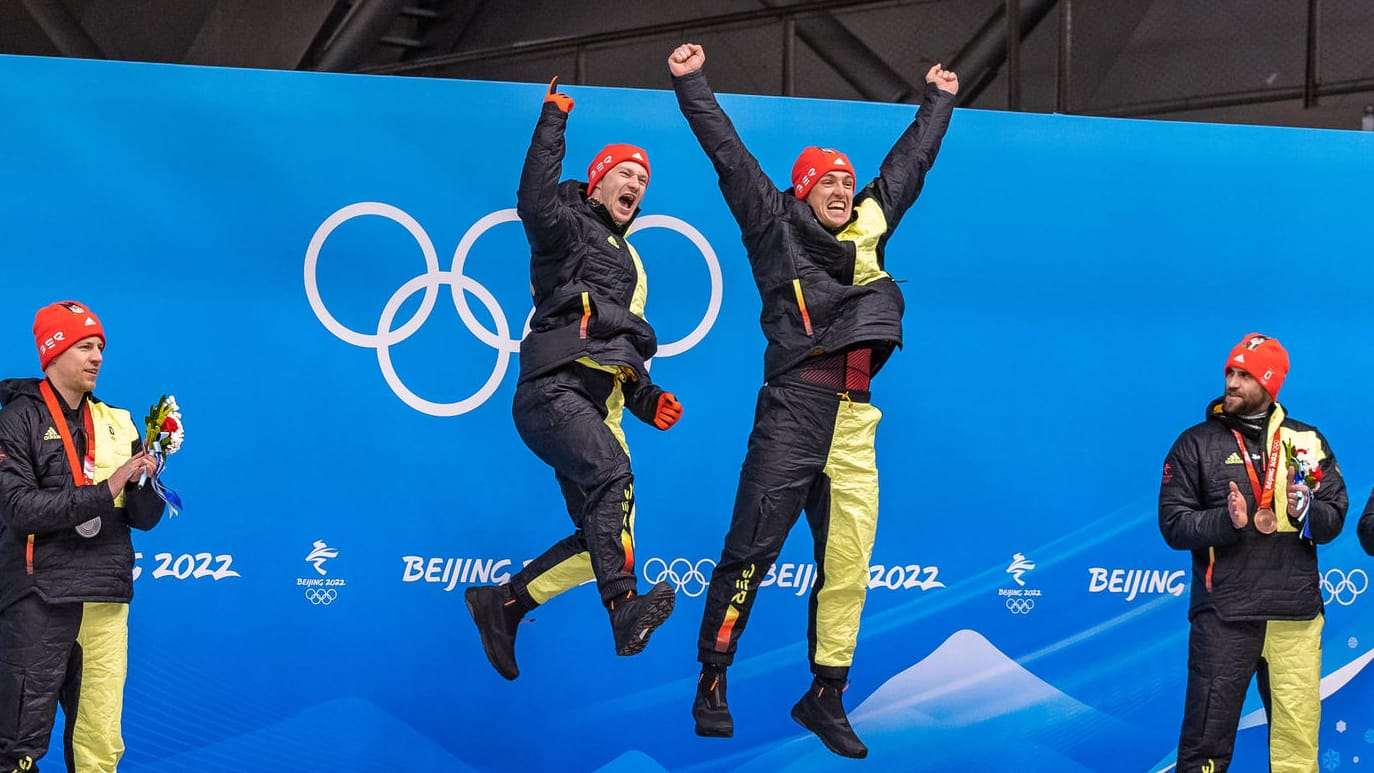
(1306, 532)
(164, 492)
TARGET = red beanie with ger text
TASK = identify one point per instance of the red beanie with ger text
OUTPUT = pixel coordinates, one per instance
(57, 327)
(812, 165)
(610, 157)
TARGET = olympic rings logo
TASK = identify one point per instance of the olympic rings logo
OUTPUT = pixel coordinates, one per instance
(499, 339)
(1020, 606)
(319, 596)
(687, 578)
(1348, 588)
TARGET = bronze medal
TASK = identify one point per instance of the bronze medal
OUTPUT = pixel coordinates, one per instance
(1265, 521)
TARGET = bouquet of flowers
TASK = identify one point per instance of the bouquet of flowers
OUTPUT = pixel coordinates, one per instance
(162, 438)
(165, 431)
(1302, 466)
(1303, 470)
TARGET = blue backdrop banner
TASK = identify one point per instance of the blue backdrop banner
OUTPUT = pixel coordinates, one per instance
(328, 273)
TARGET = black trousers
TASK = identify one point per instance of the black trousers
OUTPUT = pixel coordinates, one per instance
(1285, 658)
(74, 655)
(571, 420)
(810, 450)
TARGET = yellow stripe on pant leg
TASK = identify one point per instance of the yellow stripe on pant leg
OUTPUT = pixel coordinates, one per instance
(566, 575)
(853, 472)
(575, 571)
(97, 740)
(1293, 650)
(615, 409)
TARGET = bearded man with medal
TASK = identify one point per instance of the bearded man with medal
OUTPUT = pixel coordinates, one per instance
(69, 493)
(1252, 515)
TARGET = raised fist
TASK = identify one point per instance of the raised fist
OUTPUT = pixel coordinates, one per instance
(686, 58)
(943, 79)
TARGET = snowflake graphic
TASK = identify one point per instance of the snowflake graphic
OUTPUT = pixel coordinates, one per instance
(1352, 642)
(1331, 759)
(1340, 726)
(1369, 736)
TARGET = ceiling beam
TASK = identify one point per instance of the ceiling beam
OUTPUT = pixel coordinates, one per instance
(366, 23)
(869, 74)
(63, 29)
(675, 29)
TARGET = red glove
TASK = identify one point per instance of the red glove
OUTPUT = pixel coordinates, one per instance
(669, 411)
(564, 102)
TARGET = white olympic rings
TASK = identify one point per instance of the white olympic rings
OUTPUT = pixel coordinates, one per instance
(1344, 591)
(500, 339)
(1020, 606)
(319, 596)
(689, 579)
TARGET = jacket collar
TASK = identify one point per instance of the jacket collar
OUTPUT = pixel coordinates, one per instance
(604, 215)
(1237, 423)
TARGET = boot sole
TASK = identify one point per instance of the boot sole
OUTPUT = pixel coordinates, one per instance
(799, 718)
(715, 732)
(486, 645)
(660, 607)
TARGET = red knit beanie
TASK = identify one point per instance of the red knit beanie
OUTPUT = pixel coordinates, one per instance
(1263, 358)
(56, 328)
(812, 165)
(611, 156)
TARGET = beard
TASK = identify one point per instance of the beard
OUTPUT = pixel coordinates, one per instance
(1237, 404)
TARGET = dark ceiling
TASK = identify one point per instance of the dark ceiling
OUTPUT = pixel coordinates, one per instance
(1280, 62)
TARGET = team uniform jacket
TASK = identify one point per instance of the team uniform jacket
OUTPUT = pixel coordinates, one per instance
(823, 291)
(583, 274)
(39, 497)
(1365, 528)
(1253, 576)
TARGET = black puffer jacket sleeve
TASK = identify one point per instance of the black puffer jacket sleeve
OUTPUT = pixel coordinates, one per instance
(142, 506)
(1365, 529)
(753, 198)
(546, 219)
(1185, 518)
(903, 172)
(641, 397)
(26, 507)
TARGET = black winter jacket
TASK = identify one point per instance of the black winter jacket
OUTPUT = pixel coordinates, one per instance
(39, 497)
(1365, 528)
(582, 273)
(1253, 576)
(822, 291)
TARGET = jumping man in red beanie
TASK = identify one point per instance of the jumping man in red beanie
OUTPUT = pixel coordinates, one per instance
(1251, 493)
(580, 365)
(832, 316)
(68, 467)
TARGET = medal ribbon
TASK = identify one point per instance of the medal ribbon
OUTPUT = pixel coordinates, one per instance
(1264, 497)
(81, 468)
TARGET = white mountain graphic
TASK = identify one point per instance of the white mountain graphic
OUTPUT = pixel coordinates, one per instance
(964, 681)
(967, 706)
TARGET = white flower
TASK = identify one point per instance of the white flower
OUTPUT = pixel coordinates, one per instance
(1305, 461)
(172, 443)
